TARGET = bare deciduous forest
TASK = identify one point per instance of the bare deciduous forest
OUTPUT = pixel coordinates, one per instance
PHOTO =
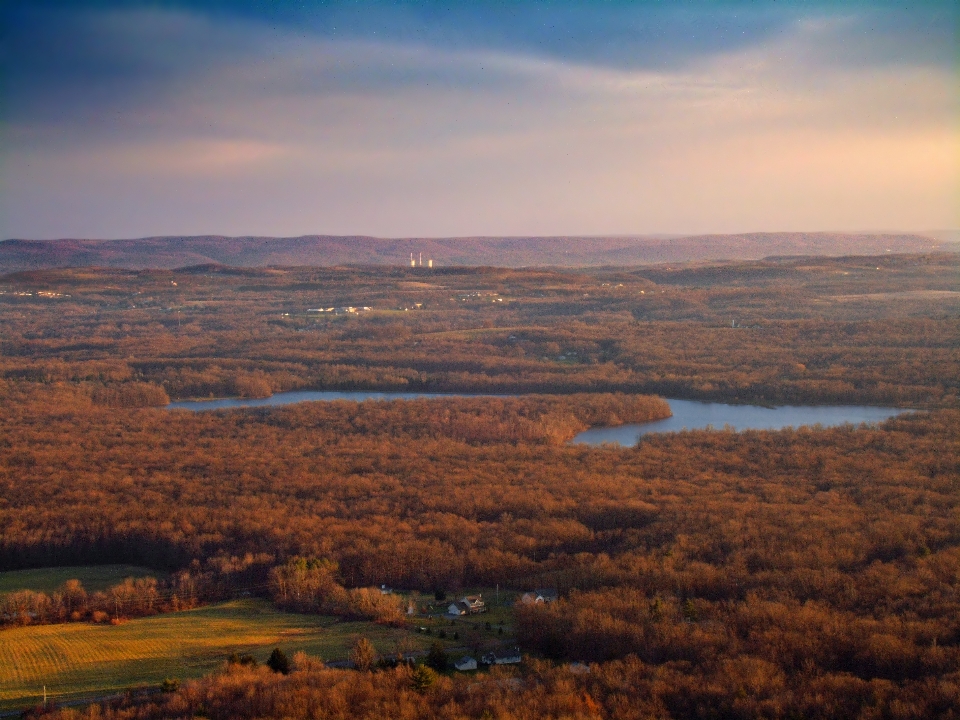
(799, 573)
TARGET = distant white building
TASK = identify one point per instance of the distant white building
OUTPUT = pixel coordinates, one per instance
(473, 603)
(539, 597)
(509, 656)
(458, 608)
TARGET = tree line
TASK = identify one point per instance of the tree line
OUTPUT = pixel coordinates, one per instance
(630, 689)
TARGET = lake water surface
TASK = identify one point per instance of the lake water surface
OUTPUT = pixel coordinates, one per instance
(299, 396)
(692, 415)
(687, 414)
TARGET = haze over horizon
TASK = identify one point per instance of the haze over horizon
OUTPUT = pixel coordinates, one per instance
(418, 119)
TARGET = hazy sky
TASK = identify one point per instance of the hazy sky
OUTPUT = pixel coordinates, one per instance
(489, 118)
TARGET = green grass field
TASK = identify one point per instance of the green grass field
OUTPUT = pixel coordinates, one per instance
(80, 659)
(93, 577)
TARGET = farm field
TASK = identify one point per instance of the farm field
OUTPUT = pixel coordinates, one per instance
(94, 578)
(76, 660)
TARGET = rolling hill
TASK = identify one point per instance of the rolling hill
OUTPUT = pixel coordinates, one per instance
(328, 250)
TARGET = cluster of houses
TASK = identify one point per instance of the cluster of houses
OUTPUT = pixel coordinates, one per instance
(340, 310)
(473, 604)
(467, 605)
(39, 293)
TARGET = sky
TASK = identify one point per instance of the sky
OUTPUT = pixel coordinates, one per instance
(439, 119)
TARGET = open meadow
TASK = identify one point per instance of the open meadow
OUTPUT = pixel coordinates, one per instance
(94, 578)
(87, 660)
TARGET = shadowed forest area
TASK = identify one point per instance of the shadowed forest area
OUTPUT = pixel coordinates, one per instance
(799, 573)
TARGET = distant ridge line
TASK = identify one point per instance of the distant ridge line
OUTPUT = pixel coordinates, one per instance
(169, 252)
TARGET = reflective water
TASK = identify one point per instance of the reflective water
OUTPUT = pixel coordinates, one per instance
(687, 414)
(692, 415)
(298, 396)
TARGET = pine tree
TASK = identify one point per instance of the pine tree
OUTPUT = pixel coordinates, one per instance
(279, 662)
(437, 657)
(422, 678)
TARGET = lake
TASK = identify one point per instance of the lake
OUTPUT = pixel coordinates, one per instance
(687, 414)
(299, 396)
(693, 415)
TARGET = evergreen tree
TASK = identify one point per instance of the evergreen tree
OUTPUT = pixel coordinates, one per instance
(437, 657)
(279, 662)
(422, 678)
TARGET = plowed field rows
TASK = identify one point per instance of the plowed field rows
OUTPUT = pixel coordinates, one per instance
(80, 659)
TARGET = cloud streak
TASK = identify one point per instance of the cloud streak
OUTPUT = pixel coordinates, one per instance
(176, 121)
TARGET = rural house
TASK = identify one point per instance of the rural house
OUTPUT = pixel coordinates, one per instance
(539, 597)
(467, 605)
(509, 656)
(458, 608)
(474, 603)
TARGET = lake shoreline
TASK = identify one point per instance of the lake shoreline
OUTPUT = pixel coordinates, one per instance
(685, 414)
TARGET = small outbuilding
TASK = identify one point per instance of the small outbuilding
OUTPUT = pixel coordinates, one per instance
(458, 608)
(539, 597)
(510, 656)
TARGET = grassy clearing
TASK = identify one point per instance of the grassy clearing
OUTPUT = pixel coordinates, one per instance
(76, 660)
(93, 577)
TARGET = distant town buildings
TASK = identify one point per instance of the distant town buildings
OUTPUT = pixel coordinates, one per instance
(347, 309)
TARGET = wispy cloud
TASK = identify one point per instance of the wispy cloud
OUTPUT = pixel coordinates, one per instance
(200, 123)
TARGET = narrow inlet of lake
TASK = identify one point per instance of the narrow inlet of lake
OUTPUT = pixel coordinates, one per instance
(299, 396)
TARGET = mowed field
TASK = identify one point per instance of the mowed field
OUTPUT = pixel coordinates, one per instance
(93, 577)
(81, 659)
